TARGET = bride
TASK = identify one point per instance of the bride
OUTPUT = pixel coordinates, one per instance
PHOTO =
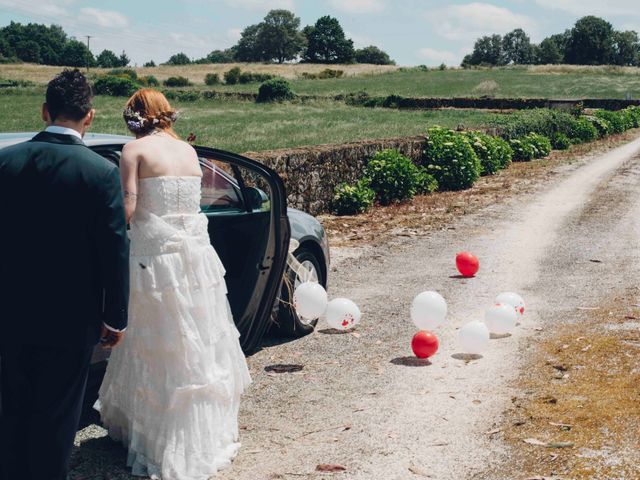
(172, 390)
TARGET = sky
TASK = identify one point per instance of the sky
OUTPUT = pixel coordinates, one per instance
(413, 32)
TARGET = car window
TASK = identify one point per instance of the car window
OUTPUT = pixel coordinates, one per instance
(220, 190)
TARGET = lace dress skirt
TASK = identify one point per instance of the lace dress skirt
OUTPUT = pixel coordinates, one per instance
(172, 389)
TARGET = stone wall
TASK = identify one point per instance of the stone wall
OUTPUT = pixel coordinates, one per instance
(312, 173)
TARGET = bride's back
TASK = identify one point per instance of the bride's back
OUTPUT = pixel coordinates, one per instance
(160, 155)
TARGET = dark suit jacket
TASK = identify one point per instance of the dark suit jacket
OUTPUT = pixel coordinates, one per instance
(64, 250)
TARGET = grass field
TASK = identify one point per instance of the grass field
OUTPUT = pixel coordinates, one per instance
(549, 81)
(243, 126)
(518, 83)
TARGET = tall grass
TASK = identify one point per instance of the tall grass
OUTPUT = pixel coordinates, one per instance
(246, 126)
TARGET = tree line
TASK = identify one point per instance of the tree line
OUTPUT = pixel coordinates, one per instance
(278, 38)
(591, 41)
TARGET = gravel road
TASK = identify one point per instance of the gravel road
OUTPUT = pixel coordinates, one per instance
(362, 402)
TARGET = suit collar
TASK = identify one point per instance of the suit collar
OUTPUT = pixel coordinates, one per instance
(57, 138)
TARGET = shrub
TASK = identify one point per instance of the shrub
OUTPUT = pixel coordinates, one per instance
(523, 151)
(541, 144)
(602, 126)
(450, 159)
(635, 115)
(352, 199)
(115, 86)
(485, 149)
(182, 95)
(330, 73)
(504, 153)
(248, 77)
(560, 141)
(614, 118)
(426, 182)
(124, 72)
(393, 177)
(582, 130)
(149, 81)
(275, 90)
(627, 118)
(211, 79)
(232, 76)
(540, 120)
(176, 82)
(361, 99)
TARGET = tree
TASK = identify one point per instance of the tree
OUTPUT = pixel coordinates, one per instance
(517, 48)
(179, 59)
(107, 59)
(76, 54)
(487, 51)
(150, 63)
(591, 42)
(248, 48)
(123, 60)
(222, 56)
(373, 55)
(279, 36)
(550, 51)
(28, 51)
(626, 48)
(326, 42)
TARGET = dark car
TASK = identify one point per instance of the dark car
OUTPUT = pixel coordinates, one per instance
(266, 248)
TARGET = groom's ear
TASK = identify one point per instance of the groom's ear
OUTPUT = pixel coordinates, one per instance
(46, 117)
(88, 120)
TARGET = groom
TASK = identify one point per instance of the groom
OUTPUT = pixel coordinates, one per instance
(64, 280)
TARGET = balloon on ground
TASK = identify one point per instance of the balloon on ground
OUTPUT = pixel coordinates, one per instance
(310, 300)
(474, 337)
(424, 344)
(501, 319)
(513, 299)
(428, 310)
(467, 264)
(343, 314)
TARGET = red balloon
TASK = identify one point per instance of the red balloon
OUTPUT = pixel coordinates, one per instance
(468, 264)
(424, 344)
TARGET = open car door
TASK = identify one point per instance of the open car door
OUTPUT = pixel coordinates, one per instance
(245, 203)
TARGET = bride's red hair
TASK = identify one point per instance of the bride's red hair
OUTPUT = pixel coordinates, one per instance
(154, 108)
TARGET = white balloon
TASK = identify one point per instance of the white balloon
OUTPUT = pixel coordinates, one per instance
(513, 299)
(501, 318)
(474, 337)
(428, 310)
(342, 314)
(310, 300)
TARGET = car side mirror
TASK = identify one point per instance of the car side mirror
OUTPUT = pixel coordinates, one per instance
(258, 200)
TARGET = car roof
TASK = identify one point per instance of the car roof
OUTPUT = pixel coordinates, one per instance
(90, 139)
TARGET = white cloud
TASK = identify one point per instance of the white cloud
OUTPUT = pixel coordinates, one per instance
(358, 6)
(472, 20)
(42, 9)
(433, 56)
(104, 18)
(265, 5)
(234, 34)
(593, 7)
(359, 41)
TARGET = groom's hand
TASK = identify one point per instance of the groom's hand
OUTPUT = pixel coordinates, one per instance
(109, 338)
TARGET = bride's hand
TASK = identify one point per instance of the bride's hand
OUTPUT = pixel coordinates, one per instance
(109, 338)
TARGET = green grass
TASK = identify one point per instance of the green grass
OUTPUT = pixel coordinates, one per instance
(245, 126)
(514, 82)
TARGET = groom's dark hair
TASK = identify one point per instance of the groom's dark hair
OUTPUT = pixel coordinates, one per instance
(69, 95)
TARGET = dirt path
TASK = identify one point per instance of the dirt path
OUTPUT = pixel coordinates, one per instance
(363, 403)
(428, 419)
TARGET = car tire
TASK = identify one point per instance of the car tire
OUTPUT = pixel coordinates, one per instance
(289, 324)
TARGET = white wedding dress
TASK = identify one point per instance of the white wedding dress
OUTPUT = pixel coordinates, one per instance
(172, 389)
